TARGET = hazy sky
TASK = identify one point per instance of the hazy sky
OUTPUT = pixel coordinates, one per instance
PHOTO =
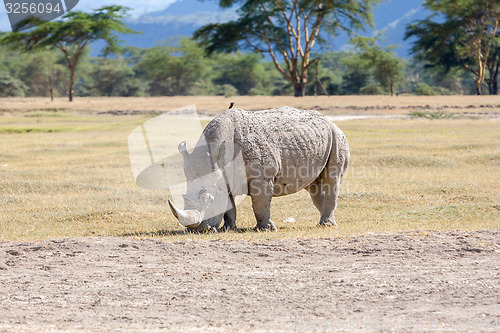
(137, 8)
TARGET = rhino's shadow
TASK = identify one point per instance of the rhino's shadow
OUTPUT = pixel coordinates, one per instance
(169, 232)
(156, 233)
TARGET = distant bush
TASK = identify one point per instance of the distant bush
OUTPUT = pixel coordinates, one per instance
(424, 89)
(371, 89)
(256, 92)
(444, 91)
(10, 86)
(182, 68)
(227, 90)
(419, 113)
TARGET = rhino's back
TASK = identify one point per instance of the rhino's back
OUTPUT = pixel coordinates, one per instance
(290, 145)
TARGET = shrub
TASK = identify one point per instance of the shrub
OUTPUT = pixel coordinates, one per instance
(227, 90)
(371, 89)
(10, 86)
(425, 89)
(438, 114)
(256, 92)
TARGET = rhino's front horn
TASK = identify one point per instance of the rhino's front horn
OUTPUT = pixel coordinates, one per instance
(189, 218)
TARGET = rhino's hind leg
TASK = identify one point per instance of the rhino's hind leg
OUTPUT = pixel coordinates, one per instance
(317, 193)
(330, 196)
(261, 192)
(324, 192)
(230, 217)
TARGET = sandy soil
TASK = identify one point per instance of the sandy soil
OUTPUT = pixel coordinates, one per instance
(212, 105)
(381, 282)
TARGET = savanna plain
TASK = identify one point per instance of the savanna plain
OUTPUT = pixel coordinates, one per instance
(83, 248)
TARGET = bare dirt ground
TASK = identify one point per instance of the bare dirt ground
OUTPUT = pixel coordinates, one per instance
(483, 106)
(416, 281)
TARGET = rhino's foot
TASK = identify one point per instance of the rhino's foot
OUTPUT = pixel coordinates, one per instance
(229, 228)
(324, 222)
(203, 229)
(266, 226)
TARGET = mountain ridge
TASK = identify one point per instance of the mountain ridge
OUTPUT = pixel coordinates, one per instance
(183, 17)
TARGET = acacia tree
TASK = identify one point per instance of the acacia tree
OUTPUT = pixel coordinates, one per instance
(286, 30)
(72, 35)
(493, 66)
(466, 35)
(386, 66)
(173, 70)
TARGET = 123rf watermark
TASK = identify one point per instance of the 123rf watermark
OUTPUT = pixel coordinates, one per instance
(328, 325)
(25, 14)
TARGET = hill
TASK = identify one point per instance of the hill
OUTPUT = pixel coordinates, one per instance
(183, 17)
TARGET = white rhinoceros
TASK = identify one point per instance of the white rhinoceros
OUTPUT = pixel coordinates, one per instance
(283, 150)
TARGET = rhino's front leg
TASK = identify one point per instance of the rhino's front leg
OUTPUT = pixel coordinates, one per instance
(230, 217)
(261, 192)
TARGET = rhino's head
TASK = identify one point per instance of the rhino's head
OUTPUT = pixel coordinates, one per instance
(207, 196)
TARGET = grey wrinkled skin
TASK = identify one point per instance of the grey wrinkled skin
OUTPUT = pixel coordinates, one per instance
(284, 151)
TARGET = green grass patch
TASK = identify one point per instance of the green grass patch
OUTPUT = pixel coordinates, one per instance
(51, 110)
(427, 114)
(30, 129)
(43, 114)
(412, 161)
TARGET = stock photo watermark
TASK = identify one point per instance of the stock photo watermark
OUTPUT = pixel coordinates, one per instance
(207, 176)
(200, 180)
(26, 14)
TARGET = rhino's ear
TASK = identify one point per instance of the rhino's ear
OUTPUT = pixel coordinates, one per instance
(182, 149)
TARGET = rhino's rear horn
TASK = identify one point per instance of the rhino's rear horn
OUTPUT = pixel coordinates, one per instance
(182, 149)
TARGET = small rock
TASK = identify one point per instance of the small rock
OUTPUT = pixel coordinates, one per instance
(13, 252)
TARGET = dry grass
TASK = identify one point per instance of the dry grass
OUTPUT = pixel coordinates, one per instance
(214, 105)
(67, 173)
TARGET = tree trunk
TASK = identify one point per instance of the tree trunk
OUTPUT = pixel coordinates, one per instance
(51, 83)
(478, 87)
(72, 63)
(493, 82)
(300, 90)
(480, 68)
(392, 88)
(71, 82)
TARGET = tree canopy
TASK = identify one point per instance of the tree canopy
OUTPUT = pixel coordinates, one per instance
(72, 35)
(386, 66)
(461, 33)
(285, 30)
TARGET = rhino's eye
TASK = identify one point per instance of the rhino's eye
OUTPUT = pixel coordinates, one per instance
(206, 198)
